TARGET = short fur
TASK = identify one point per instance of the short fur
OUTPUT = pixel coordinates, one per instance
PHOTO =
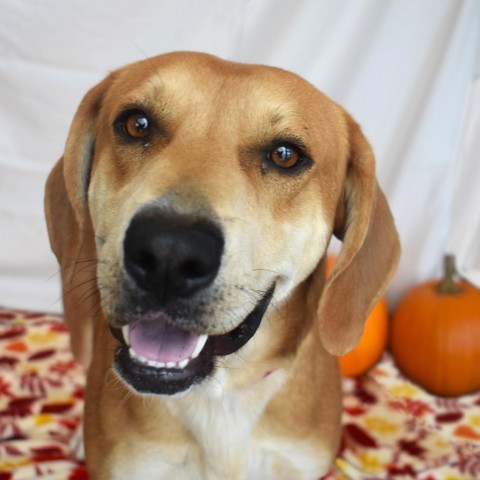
(272, 409)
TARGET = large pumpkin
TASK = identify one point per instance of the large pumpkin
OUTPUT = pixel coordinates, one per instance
(372, 343)
(435, 336)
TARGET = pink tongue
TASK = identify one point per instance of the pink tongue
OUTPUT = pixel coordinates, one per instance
(159, 341)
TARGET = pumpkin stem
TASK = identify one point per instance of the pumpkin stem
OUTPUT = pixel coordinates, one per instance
(448, 286)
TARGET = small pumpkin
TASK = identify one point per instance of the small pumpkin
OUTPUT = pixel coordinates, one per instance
(372, 343)
(435, 335)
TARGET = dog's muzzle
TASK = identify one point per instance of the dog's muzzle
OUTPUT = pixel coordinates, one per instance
(172, 259)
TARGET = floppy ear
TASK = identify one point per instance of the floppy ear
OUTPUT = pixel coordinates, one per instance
(369, 254)
(69, 227)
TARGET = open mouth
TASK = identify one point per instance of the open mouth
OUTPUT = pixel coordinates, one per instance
(155, 356)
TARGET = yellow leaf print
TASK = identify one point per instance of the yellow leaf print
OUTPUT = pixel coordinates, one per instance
(474, 421)
(453, 476)
(341, 464)
(42, 338)
(10, 465)
(43, 418)
(369, 462)
(404, 390)
(380, 425)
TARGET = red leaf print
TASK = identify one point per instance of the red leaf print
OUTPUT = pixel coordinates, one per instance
(12, 450)
(42, 454)
(42, 354)
(450, 417)
(56, 407)
(19, 407)
(59, 328)
(355, 411)
(63, 367)
(8, 362)
(5, 388)
(402, 470)
(7, 316)
(6, 476)
(362, 394)
(32, 382)
(32, 315)
(416, 407)
(360, 436)
(12, 332)
(412, 448)
(69, 423)
(80, 473)
(79, 393)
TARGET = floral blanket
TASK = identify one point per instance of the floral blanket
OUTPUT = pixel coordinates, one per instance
(392, 429)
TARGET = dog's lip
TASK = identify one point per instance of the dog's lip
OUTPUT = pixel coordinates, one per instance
(232, 341)
(169, 379)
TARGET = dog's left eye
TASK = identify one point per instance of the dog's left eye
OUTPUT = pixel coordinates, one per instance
(136, 125)
(285, 156)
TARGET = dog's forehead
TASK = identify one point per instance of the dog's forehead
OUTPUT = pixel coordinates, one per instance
(179, 82)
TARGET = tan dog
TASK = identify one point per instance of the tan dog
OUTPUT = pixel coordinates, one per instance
(190, 215)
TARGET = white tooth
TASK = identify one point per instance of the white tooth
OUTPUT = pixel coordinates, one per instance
(161, 365)
(171, 364)
(152, 363)
(183, 363)
(142, 358)
(132, 353)
(202, 339)
(126, 334)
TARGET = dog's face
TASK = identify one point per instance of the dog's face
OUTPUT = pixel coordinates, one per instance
(211, 190)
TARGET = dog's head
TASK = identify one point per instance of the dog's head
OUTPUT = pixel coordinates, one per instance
(203, 192)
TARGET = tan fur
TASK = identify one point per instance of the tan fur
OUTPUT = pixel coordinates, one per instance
(271, 410)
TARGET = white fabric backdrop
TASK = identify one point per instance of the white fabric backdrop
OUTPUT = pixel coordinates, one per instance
(408, 71)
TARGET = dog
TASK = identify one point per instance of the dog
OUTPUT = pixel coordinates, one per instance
(191, 214)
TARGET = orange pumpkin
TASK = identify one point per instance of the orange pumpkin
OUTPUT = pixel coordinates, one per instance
(435, 336)
(372, 343)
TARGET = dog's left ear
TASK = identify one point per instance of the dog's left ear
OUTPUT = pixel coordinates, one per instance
(69, 226)
(369, 254)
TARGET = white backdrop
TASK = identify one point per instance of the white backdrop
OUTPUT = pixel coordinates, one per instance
(408, 71)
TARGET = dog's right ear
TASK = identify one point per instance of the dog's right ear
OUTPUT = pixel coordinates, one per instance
(68, 223)
(369, 254)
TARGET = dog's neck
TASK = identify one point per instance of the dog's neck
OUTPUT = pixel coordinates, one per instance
(223, 420)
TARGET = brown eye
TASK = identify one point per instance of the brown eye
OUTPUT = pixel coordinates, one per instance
(285, 156)
(137, 125)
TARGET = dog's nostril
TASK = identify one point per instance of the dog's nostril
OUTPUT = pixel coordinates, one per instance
(192, 269)
(145, 260)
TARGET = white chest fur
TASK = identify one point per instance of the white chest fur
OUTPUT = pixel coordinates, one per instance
(222, 421)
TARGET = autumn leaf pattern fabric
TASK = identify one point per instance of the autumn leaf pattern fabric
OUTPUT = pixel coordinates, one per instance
(41, 399)
(392, 429)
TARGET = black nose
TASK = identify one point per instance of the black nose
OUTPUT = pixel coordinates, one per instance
(172, 256)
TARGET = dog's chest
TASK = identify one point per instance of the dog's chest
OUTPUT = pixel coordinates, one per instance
(226, 441)
(222, 423)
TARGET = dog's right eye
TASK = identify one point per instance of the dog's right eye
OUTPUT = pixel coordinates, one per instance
(135, 124)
